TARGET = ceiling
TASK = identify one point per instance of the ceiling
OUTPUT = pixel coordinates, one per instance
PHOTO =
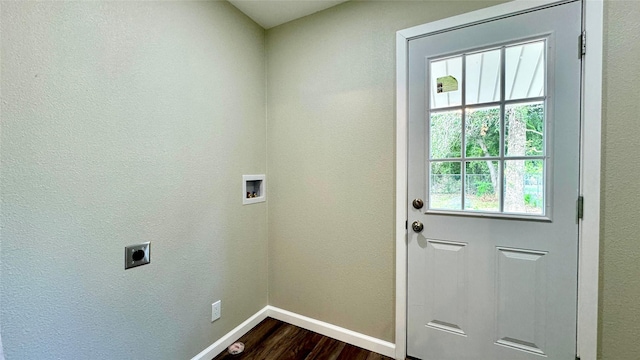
(270, 13)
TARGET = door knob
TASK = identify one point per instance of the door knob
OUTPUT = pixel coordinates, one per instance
(417, 226)
(418, 203)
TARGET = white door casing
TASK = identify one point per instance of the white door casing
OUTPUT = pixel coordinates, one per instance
(587, 313)
(525, 251)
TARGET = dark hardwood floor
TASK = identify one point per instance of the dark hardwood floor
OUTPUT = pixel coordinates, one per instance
(275, 340)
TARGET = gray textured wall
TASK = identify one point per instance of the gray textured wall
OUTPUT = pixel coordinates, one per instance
(125, 122)
(620, 228)
(331, 154)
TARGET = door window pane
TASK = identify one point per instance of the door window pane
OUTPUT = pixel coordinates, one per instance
(445, 132)
(446, 186)
(482, 186)
(482, 132)
(525, 70)
(487, 135)
(446, 83)
(483, 77)
(524, 186)
(524, 129)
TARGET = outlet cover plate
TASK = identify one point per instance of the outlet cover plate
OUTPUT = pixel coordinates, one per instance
(136, 255)
(215, 310)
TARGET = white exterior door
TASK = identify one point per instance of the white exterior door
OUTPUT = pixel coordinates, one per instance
(494, 134)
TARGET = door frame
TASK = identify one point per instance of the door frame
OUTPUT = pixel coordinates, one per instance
(590, 157)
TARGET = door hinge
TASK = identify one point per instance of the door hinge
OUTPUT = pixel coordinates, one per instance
(406, 224)
(582, 44)
(577, 357)
(580, 207)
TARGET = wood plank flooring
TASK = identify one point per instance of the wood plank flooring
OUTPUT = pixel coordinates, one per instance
(275, 340)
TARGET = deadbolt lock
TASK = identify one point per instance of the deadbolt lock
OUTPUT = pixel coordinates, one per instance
(418, 203)
(417, 226)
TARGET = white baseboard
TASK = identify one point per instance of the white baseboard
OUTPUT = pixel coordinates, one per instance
(232, 336)
(350, 337)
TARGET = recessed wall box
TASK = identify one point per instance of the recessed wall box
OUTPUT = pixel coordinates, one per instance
(254, 189)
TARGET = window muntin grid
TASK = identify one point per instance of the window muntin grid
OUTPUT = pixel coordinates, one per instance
(487, 151)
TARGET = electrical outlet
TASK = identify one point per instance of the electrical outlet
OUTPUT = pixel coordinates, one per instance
(136, 255)
(215, 311)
